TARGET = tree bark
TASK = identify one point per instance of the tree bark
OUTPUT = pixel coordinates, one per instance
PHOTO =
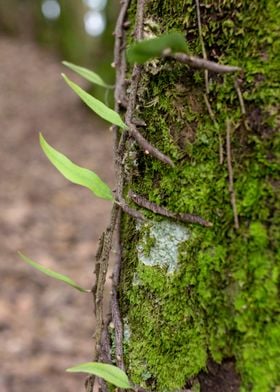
(199, 304)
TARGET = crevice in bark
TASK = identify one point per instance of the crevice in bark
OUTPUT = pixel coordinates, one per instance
(220, 377)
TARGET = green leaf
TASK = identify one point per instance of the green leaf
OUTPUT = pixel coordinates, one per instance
(97, 106)
(87, 74)
(110, 373)
(53, 274)
(74, 173)
(147, 49)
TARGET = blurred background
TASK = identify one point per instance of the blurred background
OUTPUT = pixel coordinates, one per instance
(45, 326)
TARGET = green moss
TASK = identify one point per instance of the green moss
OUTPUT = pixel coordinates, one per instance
(222, 301)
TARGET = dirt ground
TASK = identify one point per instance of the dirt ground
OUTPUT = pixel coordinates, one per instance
(45, 326)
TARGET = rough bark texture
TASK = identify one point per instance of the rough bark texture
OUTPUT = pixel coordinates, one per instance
(193, 296)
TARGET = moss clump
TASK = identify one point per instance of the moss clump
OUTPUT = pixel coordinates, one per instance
(222, 301)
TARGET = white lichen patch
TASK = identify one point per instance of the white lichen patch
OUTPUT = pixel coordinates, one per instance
(126, 331)
(136, 280)
(164, 238)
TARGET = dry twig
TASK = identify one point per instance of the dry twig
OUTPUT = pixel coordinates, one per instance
(130, 211)
(190, 218)
(119, 54)
(204, 54)
(102, 265)
(199, 63)
(211, 114)
(240, 97)
(210, 111)
(230, 175)
(146, 146)
(142, 142)
(116, 317)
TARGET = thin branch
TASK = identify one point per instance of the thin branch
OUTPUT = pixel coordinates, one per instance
(91, 380)
(204, 54)
(147, 147)
(89, 383)
(143, 143)
(138, 33)
(197, 62)
(240, 97)
(101, 278)
(135, 78)
(230, 175)
(211, 114)
(102, 345)
(130, 211)
(210, 111)
(221, 150)
(119, 53)
(105, 354)
(103, 385)
(115, 310)
(190, 218)
(119, 150)
(120, 65)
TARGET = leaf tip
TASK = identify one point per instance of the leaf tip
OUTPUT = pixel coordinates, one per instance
(64, 76)
(42, 140)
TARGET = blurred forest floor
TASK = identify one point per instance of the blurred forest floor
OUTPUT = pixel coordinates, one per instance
(45, 325)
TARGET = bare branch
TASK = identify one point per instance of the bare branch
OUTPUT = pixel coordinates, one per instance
(130, 211)
(211, 114)
(204, 54)
(190, 218)
(147, 147)
(101, 277)
(210, 111)
(138, 33)
(240, 97)
(115, 310)
(197, 62)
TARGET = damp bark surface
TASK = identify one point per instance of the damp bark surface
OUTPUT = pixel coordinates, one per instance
(191, 295)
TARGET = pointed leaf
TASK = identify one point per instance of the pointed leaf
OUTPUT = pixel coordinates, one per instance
(87, 74)
(74, 173)
(147, 49)
(110, 373)
(52, 273)
(97, 106)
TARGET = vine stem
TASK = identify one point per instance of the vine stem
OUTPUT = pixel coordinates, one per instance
(102, 343)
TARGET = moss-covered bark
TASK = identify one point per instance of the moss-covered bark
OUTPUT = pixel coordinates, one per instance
(207, 292)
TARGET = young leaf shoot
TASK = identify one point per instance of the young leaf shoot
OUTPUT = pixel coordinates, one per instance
(145, 50)
(109, 373)
(95, 105)
(53, 274)
(87, 74)
(74, 173)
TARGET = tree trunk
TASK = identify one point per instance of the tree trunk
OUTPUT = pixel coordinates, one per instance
(199, 304)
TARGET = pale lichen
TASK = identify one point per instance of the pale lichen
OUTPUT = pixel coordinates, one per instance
(166, 237)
